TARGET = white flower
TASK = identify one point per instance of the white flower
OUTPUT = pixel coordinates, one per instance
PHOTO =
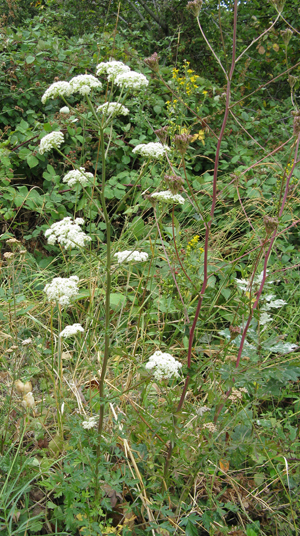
(64, 110)
(112, 68)
(245, 284)
(51, 141)
(68, 233)
(90, 423)
(167, 197)
(210, 426)
(83, 83)
(131, 80)
(26, 341)
(164, 365)
(69, 331)
(151, 150)
(113, 109)
(131, 256)
(78, 176)
(273, 303)
(58, 89)
(62, 289)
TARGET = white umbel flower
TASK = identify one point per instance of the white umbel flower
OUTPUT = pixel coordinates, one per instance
(78, 176)
(112, 68)
(131, 80)
(131, 256)
(90, 423)
(58, 89)
(164, 365)
(64, 110)
(166, 196)
(151, 150)
(113, 109)
(62, 289)
(68, 233)
(51, 141)
(83, 83)
(69, 331)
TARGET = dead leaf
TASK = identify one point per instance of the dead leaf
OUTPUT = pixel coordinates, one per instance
(261, 50)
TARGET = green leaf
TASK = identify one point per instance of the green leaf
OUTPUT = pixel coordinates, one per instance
(191, 529)
(117, 300)
(30, 59)
(32, 161)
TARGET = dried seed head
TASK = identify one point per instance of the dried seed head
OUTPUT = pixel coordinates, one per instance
(279, 4)
(271, 224)
(182, 142)
(296, 130)
(286, 36)
(195, 7)
(152, 62)
(8, 255)
(234, 332)
(19, 386)
(12, 241)
(28, 400)
(162, 134)
(174, 183)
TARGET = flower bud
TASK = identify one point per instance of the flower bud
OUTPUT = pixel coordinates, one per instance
(174, 183)
(286, 36)
(271, 224)
(296, 130)
(182, 142)
(195, 7)
(292, 80)
(234, 332)
(152, 62)
(162, 134)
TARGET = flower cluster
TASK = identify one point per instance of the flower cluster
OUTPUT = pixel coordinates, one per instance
(167, 197)
(131, 256)
(113, 109)
(164, 365)
(84, 83)
(69, 331)
(237, 394)
(112, 68)
(151, 150)
(90, 423)
(58, 89)
(131, 80)
(62, 289)
(78, 176)
(51, 141)
(68, 233)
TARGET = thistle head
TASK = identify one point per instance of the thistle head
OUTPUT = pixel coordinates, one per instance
(152, 62)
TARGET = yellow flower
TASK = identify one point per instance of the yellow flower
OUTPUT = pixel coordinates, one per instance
(190, 71)
(204, 92)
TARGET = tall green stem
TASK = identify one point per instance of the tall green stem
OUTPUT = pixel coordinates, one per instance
(107, 316)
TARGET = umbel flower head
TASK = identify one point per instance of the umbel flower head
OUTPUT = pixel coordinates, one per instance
(51, 141)
(78, 176)
(62, 290)
(58, 89)
(69, 331)
(131, 80)
(195, 7)
(131, 256)
(68, 233)
(164, 365)
(151, 150)
(112, 68)
(90, 423)
(296, 129)
(166, 196)
(84, 83)
(112, 109)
